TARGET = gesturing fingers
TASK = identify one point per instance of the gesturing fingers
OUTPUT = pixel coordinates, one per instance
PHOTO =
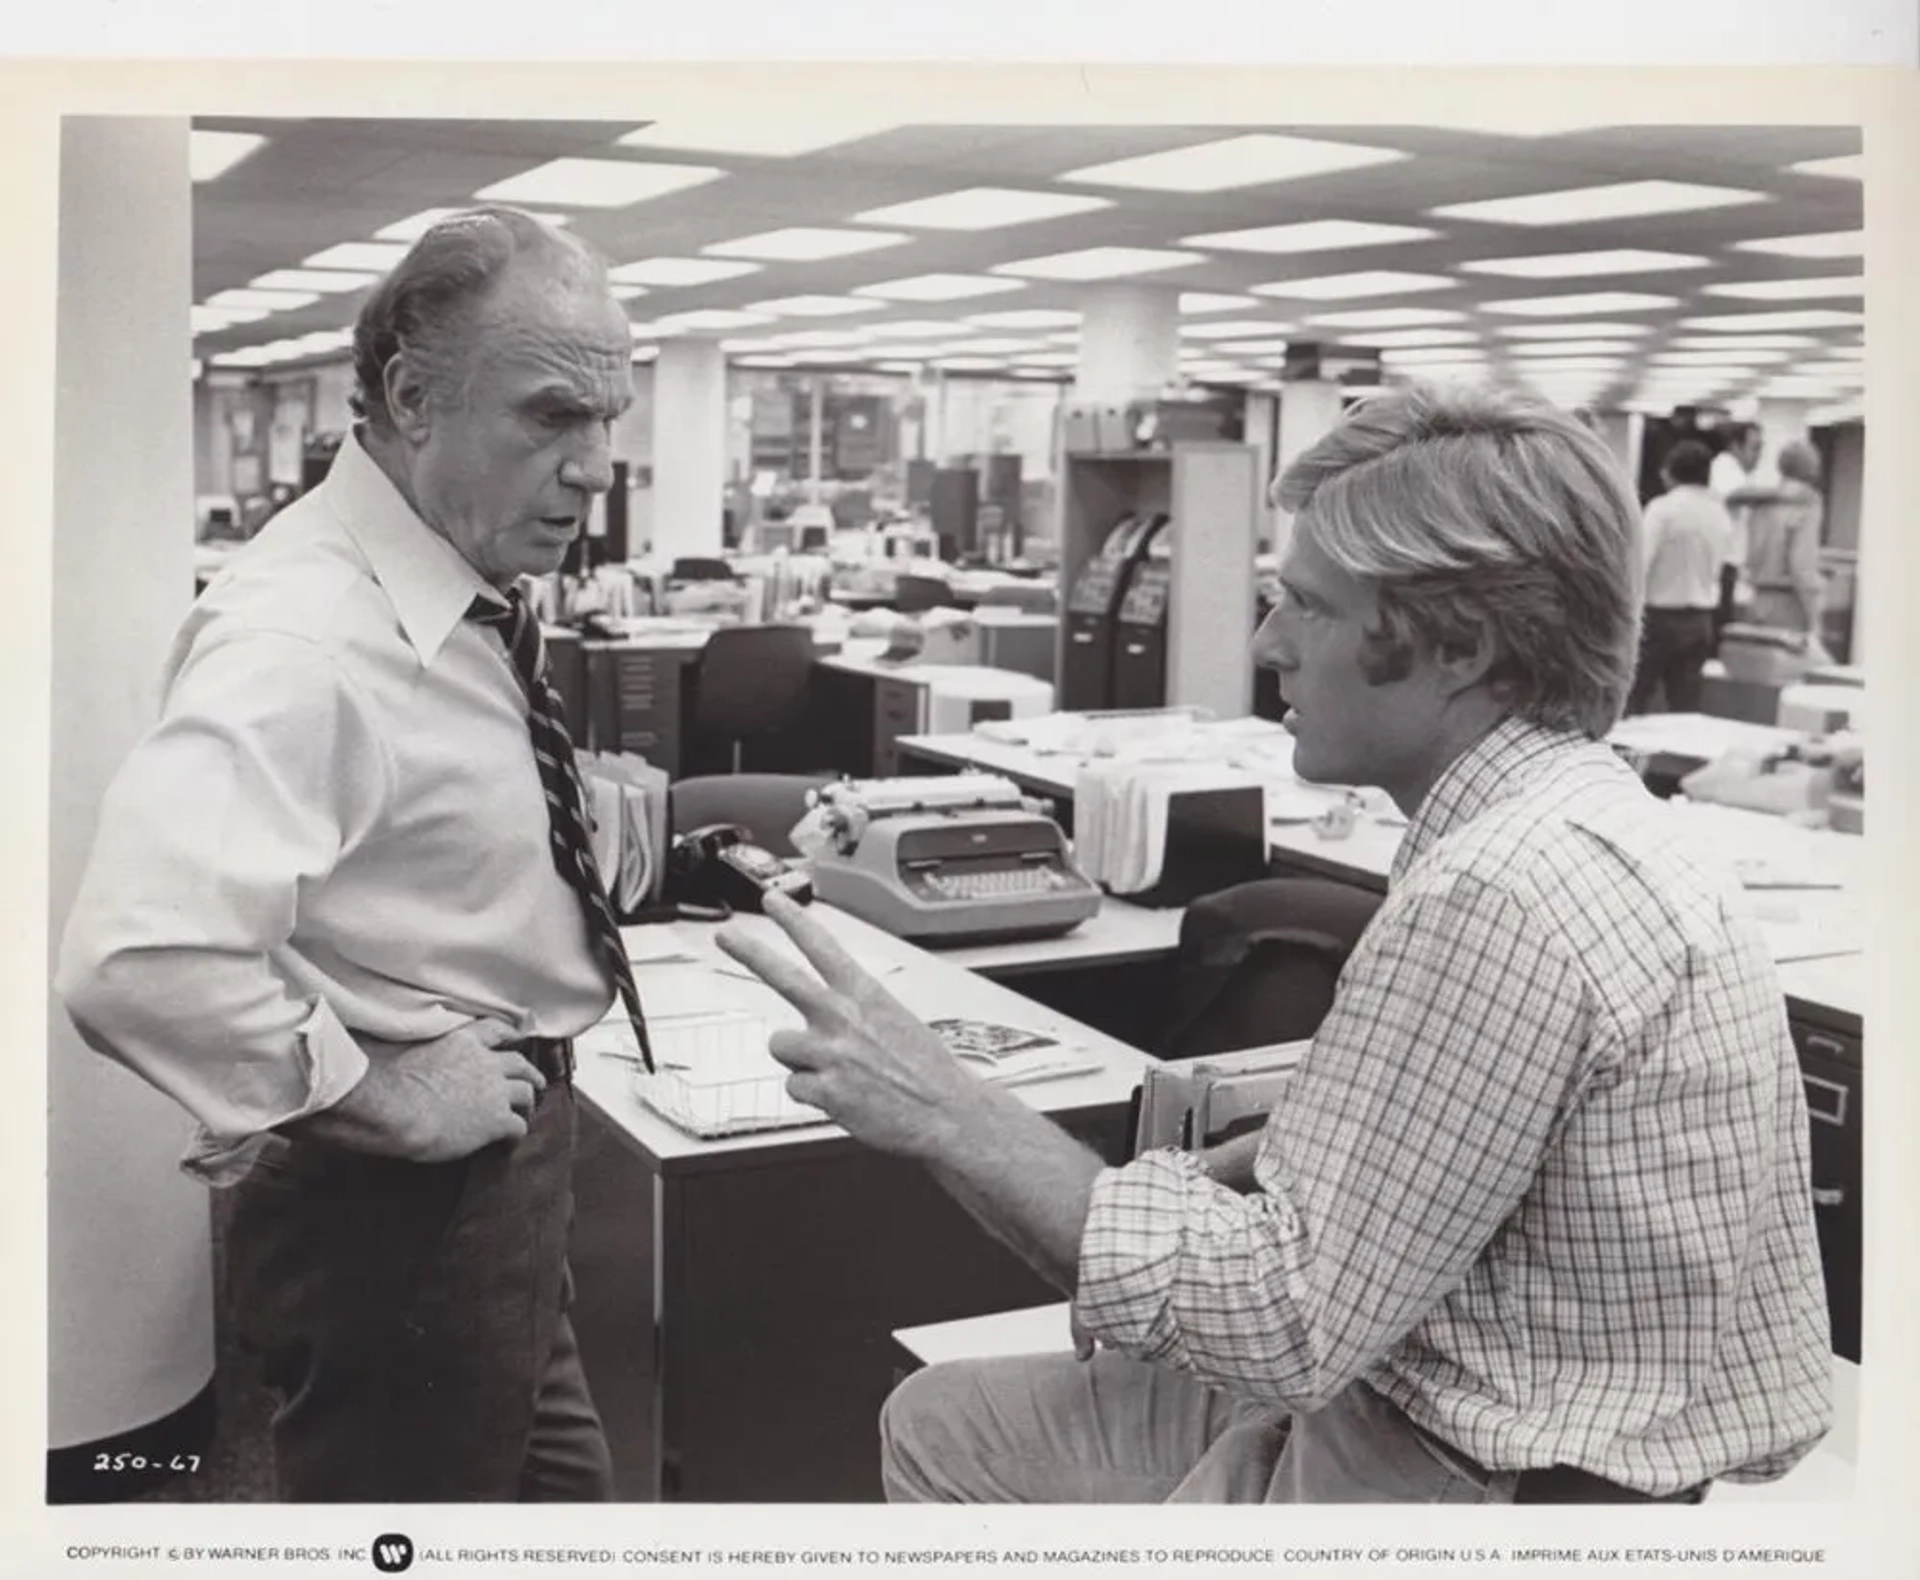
(823, 951)
(784, 975)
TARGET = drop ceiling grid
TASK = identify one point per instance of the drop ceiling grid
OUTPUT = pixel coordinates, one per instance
(318, 182)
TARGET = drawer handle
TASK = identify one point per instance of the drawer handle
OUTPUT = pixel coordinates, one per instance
(1819, 1044)
(1829, 1196)
(1817, 1087)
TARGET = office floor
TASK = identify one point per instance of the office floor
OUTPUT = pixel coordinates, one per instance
(609, 1254)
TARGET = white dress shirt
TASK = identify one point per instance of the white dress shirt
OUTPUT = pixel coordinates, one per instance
(336, 828)
(1541, 1179)
(1687, 539)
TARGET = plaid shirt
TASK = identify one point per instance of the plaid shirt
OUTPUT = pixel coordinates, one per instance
(1542, 1179)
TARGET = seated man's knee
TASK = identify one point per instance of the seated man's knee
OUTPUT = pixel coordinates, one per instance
(918, 1432)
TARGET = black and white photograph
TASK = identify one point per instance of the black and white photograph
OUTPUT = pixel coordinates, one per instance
(769, 803)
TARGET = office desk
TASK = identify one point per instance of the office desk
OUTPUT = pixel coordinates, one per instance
(865, 705)
(780, 1263)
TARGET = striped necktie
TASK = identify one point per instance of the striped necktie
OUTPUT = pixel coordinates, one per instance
(566, 796)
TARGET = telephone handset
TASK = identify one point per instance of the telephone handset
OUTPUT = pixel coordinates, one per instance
(719, 867)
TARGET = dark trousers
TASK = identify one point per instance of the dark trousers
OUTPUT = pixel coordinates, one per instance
(1728, 606)
(1675, 645)
(412, 1320)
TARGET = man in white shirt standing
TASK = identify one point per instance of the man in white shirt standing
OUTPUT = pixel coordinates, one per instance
(1735, 468)
(330, 909)
(1686, 535)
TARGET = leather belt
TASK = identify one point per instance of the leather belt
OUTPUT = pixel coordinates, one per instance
(551, 1056)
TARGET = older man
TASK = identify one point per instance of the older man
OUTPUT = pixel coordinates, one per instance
(340, 905)
(1532, 1221)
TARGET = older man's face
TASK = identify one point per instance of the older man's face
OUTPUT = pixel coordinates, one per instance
(511, 460)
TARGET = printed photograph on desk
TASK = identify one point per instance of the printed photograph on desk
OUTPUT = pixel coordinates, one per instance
(997, 504)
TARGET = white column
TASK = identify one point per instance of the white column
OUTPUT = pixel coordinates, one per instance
(816, 440)
(689, 447)
(1780, 421)
(1129, 343)
(1623, 431)
(130, 1330)
(1308, 409)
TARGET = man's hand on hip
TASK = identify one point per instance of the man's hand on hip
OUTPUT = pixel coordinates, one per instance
(434, 1101)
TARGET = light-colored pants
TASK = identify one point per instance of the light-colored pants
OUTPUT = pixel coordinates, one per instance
(1053, 1429)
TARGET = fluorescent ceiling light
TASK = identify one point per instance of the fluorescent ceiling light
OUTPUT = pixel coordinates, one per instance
(414, 226)
(1212, 302)
(1389, 317)
(245, 357)
(1558, 365)
(1414, 355)
(1850, 167)
(628, 293)
(325, 281)
(1253, 348)
(1726, 357)
(377, 256)
(1231, 376)
(921, 328)
(805, 244)
(762, 131)
(645, 353)
(1571, 348)
(1805, 318)
(1584, 302)
(1413, 337)
(1099, 263)
(1742, 342)
(1246, 161)
(597, 183)
(919, 353)
(938, 287)
(814, 306)
(1792, 290)
(1585, 204)
(765, 362)
(1817, 388)
(1025, 318)
(815, 338)
(982, 208)
(1560, 265)
(1314, 235)
(709, 318)
(212, 154)
(204, 319)
(1069, 337)
(1051, 375)
(970, 364)
(679, 271)
(1234, 329)
(1001, 346)
(1586, 330)
(1845, 351)
(267, 301)
(1822, 244)
(1052, 359)
(749, 345)
(1345, 287)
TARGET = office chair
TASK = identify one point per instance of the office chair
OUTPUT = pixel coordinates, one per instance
(752, 681)
(1258, 963)
(698, 569)
(765, 805)
(916, 594)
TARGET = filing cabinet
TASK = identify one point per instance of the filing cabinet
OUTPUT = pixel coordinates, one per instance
(1830, 1069)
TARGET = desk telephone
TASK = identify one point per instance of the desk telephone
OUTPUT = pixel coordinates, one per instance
(720, 867)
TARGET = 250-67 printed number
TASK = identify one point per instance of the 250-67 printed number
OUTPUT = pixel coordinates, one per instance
(109, 1462)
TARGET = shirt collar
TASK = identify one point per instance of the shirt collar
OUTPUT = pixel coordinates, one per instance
(429, 582)
(1486, 772)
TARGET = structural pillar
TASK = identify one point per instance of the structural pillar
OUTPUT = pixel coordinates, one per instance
(689, 448)
(1129, 343)
(130, 1265)
(1309, 407)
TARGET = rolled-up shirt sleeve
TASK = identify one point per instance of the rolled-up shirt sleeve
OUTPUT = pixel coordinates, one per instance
(1411, 1131)
(261, 772)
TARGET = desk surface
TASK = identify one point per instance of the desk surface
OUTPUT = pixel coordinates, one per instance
(928, 984)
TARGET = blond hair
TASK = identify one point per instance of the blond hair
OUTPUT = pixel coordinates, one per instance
(1475, 510)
